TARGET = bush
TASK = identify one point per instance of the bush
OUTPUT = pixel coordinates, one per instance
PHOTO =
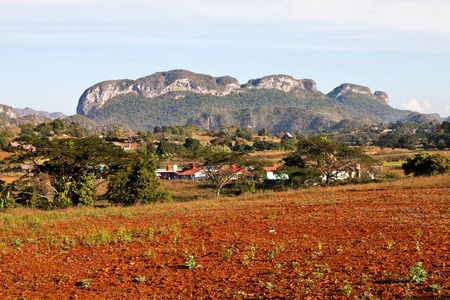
(426, 164)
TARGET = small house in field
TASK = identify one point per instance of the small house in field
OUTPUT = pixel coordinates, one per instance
(170, 172)
(272, 176)
(288, 136)
(192, 174)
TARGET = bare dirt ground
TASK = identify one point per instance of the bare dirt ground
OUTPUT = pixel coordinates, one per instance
(318, 244)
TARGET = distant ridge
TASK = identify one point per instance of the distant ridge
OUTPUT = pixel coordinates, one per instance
(30, 111)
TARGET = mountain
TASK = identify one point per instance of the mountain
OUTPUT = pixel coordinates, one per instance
(7, 113)
(30, 111)
(277, 102)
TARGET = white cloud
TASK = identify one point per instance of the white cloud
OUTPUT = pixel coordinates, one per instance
(425, 107)
(412, 104)
(401, 15)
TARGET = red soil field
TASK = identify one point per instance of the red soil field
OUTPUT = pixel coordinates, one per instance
(318, 244)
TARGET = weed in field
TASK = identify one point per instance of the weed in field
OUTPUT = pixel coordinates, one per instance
(340, 250)
(323, 268)
(270, 286)
(124, 235)
(249, 254)
(364, 278)
(85, 283)
(437, 289)
(152, 254)
(190, 263)
(389, 244)
(417, 241)
(347, 288)
(417, 273)
(139, 279)
(17, 243)
(271, 274)
(227, 252)
(295, 264)
(239, 294)
(305, 236)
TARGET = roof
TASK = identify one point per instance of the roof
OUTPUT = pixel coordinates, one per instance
(189, 171)
(273, 168)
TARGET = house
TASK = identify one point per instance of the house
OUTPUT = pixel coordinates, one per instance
(272, 176)
(170, 172)
(23, 146)
(124, 147)
(192, 174)
(288, 136)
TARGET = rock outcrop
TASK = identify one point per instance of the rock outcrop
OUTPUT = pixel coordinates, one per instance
(180, 81)
(281, 82)
(9, 111)
(347, 88)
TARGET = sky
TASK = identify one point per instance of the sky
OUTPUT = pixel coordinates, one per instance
(51, 51)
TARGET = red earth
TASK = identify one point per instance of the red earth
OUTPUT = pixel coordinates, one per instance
(318, 244)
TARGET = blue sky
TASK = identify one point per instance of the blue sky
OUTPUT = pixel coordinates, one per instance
(52, 50)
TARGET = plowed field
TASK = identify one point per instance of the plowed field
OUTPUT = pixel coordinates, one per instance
(325, 244)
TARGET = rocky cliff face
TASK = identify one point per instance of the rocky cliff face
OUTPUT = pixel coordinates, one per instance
(9, 111)
(347, 88)
(178, 81)
(281, 82)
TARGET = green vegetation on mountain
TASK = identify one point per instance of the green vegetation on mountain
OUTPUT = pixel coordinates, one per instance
(273, 109)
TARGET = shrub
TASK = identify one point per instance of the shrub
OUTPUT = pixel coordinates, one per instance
(426, 164)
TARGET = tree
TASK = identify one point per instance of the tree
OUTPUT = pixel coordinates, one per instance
(407, 141)
(427, 165)
(139, 185)
(219, 167)
(295, 167)
(192, 144)
(329, 157)
(72, 166)
(263, 132)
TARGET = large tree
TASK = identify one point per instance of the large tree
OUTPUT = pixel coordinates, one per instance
(71, 165)
(427, 164)
(136, 185)
(329, 158)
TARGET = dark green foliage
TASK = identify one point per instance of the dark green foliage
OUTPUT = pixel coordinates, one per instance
(407, 141)
(440, 138)
(136, 186)
(263, 132)
(166, 149)
(192, 144)
(387, 140)
(427, 165)
(241, 146)
(266, 145)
